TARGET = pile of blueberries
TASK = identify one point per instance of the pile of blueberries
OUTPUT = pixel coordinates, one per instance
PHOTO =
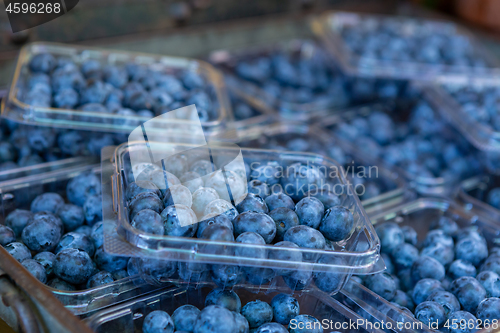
(127, 90)
(419, 141)
(268, 215)
(305, 74)
(223, 313)
(480, 104)
(61, 242)
(392, 40)
(451, 275)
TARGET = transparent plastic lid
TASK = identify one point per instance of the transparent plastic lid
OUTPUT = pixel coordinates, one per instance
(348, 36)
(111, 81)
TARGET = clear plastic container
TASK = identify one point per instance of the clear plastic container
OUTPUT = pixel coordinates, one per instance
(15, 109)
(473, 194)
(418, 214)
(481, 134)
(18, 194)
(390, 189)
(358, 252)
(330, 26)
(296, 49)
(400, 115)
(128, 317)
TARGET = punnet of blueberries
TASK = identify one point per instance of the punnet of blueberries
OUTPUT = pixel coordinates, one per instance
(59, 238)
(452, 273)
(277, 218)
(223, 312)
(126, 89)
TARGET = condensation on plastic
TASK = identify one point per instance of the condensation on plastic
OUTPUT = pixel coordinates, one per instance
(434, 186)
(472, 195)
(129, 317)
(481, 136)
(418, 214)
(327, 27)
(18, 194)
(304, 49)
(16, 110)
(359, 253)
(253, 138)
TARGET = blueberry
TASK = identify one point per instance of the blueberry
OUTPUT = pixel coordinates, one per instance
(225, 298)
(84, 229)
(75, 240)
(277, 200)
(259, 188)
(272, 328)
(115, 76)
(299, 179)
(268, 173)
(424, 288)
(490, 282)
(306, 237)
(305, 324)
(469, 292)
(382, 284)
(90, 68)
(217, 232)
(47, 202)
(241, 323)
(109, 262)
(148, 221)
(488, 310)
(36, 269)
(226, 276)
(472, 250)
(438, 236)
(133, 266)
(158, 322)
(7, 235)
(214, 319)
(18, 250)
(156, 271)
(178, 195)
(192, 181)
(42, 63)
(442, 253)
(337, 223)
(462, 319)
(209, 220)
(391, 236)
(426, 267)
(258, 276)
(310, 212)
(97, 142)
(81, 186)
(99, 279)
(255, 222)
(92, 209)
(284, 218)
(410, 235)
(404, 256)
(17, 220)
(201, 198)
(403, 299)
(256, 251)
(299, 279)
(446, 224)
(430, 313)
(46, 259)
(73, 266)
(62, 79)
(66, 98)
(460, 268)
(42, 234)
(184, 317)
(285, 308)
(252, 203)
(135, 188)
(72, 216)
(145, 200)
(257, 313)
(289, 253)
(61, 285)
(97, 234)
(447, 300)
(179, 221)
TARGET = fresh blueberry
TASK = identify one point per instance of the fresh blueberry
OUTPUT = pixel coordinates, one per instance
(241, 323)
(268, 173)
(145, 200)
(178, 195)
(255, 222)
(259, 188)
(469, 292)
(330, 280)
(279, 200)
(99, 279)
(404, 256)
(7, 235)
(382, 284)
(42, 233)
(209, 220)
(61, 285)
(47, 202)
(446, 224)
(66, 98)
(226, 276)
(337, 223)
(158, 321)
(214, 319)
(156, 271)
(81, 186)
(471, 250)
(272, 328)
(135, 188)
(251, 252)
(217, 232)
(36, 269)
(493, 198)
(75, 240)
(252, 203)
(42, 63)
(403, 299)
(284, 218)
(73, 266)
(225, 298)
(46, 259)
(148, 221)
(489, 310)
(84, 229)
(462, 319)
(257, 313)
(410, 235)
(447, 300)
(72, 216)
(430, 312)
(490, 282)
(426, 267)
(424, 288)
(18, 250)
(299, 179)
(460, 268)
(17, 220)
(109, 262)
(184, 317)
(310, 212)
(391, 236)
(442, 253)
(306, 237)
(92, 209)
(285, 307)
(299, 279)
(289, 253)
(179, 221)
